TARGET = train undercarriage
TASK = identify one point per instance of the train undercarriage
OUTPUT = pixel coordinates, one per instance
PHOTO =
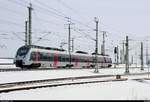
(19, 63)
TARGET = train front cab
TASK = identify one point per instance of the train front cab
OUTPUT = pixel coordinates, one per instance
(21, 56)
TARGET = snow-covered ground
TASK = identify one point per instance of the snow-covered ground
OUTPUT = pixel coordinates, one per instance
(121, 90)
(6, 63)
(8, 67)
(6, 77)
(6, 60)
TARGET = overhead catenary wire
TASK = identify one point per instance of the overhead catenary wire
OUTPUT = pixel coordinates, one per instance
(18, 3)
(86, 35)
(42, 37)
(55, 10)
(80, 22)
(43, 8)
(63, 16)
(70, 8)
(10, 22)
(21, 39)
(74, 11)
(11, 10)
(67, 6)
(44, 20)
(58, 13)
(51, 10)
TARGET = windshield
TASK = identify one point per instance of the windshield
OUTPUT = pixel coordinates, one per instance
(22, 51)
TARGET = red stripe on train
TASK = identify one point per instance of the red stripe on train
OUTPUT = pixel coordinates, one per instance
(37, 56)
(55, 60)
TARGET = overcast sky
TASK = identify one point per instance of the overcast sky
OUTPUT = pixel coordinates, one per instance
(118, 17)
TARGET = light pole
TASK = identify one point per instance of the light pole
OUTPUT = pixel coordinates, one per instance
(148, 69)
(147, 57)
(142, 63)
(96, 47)
(127, 56)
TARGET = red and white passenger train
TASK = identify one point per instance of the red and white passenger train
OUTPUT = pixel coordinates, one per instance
(36, 56)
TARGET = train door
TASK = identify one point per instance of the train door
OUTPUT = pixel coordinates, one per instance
(37, 56)
(37, 60)
(76, 61)
(105, 62)
(87, 59)
(88, 63)
(55, 60)
(101, 61)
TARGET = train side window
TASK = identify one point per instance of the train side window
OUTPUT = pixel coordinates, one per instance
(47, 54)
(79, 59)
(105, 60)
(67, 59)
(93, 59)
(41, 56)
(63, 59)
(110, 60)
(48, 57)
(73, 59)
(59, 58)
(100, 60)
(51, 57)
(82, 60)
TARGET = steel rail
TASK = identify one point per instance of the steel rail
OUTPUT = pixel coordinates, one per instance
(25, 85)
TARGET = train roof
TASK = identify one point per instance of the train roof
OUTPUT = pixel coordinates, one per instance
(60, 50)
(81, 52)
(46, 48)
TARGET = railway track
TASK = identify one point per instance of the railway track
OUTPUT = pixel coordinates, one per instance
(39, 69)
(7, 87)
(25, 85)
(17, 69)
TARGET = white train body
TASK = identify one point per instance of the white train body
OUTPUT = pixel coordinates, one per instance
(36, 56)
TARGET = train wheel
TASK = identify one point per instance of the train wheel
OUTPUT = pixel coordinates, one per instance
(63, 67)
(109, 66)
(69, 66)
(34, 66)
